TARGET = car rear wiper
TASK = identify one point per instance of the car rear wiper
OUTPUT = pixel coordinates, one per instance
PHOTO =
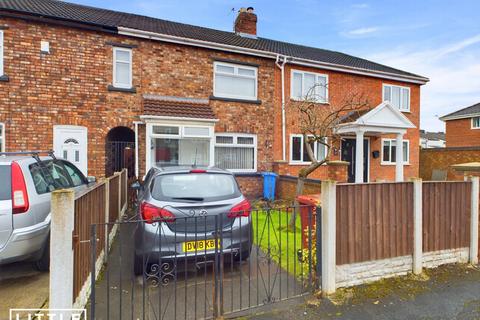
(188, 198)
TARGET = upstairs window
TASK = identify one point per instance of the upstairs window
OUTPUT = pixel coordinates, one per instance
(398, 96)
(236, 152)
(298, 152)
(476, 123)
(390, 151)
(122, 68)
(1, 52)
(309, 86)
(234, 81)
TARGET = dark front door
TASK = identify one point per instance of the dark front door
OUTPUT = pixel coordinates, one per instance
(348, 154)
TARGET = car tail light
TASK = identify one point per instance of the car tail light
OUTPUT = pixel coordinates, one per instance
(241, 209)
(19, 190)
(150, 213)
(198, 171)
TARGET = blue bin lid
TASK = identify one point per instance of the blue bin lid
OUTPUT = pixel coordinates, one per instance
(269, 174)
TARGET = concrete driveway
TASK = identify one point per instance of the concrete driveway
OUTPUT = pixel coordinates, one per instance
(21, 286)
(120, 294)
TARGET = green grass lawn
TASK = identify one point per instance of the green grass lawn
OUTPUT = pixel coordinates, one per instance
(271, 231)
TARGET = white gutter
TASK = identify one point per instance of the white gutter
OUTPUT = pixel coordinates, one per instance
(266, 54)
(282, 68)
(463, 116)
(136, 123)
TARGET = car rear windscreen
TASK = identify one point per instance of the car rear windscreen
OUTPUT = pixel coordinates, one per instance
(194, 186)
(5, 182)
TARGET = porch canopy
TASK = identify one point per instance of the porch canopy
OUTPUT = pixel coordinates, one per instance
(383, 119)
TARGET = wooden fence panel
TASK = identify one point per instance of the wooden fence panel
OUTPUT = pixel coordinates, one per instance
(446, 215)
(374, 221)
(123, 192)
(89, 209)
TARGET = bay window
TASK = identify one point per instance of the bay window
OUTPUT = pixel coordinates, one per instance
(398, 96)
(298, 151)
(236, 152)
(179, 145)
(389, 149)
(234, 81)
(2, 137)
(309, 86)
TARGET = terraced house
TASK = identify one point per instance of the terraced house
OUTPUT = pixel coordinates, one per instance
(102, 87)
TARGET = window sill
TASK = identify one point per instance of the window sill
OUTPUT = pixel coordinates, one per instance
(235, 100)
(393, 164)
(315, 102)
(117, 89)
(4, 78)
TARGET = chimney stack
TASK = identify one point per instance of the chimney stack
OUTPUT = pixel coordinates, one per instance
(246, 22)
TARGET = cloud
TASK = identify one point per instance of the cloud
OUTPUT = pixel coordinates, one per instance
(361, 31)
(360, 6)
(453, 70)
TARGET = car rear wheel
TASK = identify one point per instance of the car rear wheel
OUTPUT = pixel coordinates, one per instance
(43, 264)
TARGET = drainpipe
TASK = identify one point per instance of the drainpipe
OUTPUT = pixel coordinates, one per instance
(282, 68)
(136, 123)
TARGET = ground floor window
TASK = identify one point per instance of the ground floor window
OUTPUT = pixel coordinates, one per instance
(298, 152)
(236, 152)
(179, 145)
(389, 147)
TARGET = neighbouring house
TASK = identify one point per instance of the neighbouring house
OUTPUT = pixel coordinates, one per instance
(432, 139)
(108, 89)
(463, 127)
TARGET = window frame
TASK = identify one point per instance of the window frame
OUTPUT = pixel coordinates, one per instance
(390, 162)
(235, 144)
(2, 136)
(316, 74)
(473, 123)
(302, 162)
(401, 95)
(130, 62)
(235, 74)
(2, 43)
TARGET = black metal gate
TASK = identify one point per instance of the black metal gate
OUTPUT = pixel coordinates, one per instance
(119, 155)
(203, 267)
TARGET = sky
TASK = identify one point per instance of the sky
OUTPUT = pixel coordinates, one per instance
(439, 39)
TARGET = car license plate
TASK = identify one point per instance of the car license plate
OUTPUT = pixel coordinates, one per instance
(199, 246)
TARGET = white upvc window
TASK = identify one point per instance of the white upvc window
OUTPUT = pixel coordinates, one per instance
(236, 152)
(476, 123)
(298, 151)
(398, 96)
(173, 144)
(1, 53)
(234, 81)
(2, 137)
(389, 151)
(122, 68)
(309, 86)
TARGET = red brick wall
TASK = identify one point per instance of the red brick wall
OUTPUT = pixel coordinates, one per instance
(444, 158)
(459, 133)
(69, 87)
(251, 186)
(342, 86)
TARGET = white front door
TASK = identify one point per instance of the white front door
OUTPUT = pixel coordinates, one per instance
(70, 143)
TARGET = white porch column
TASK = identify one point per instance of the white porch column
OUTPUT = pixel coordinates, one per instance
(399, 158)
(359, 157)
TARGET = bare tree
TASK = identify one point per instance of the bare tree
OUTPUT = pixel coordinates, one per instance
(316, 123)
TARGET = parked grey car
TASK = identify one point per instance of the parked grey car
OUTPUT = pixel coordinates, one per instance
(183, 210)
(27, 181)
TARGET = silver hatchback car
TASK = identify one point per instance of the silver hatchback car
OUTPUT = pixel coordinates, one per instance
(27, 181)
(190, 213)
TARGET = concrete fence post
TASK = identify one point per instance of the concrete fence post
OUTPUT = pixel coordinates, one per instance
(328, 229)
(417, 226)
(107, 216)
(61, 249)
(474, 221)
